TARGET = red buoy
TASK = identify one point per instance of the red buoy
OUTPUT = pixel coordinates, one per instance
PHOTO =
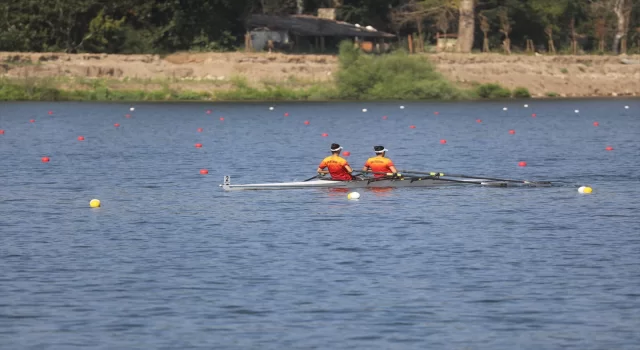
(200, 129)
(412, 126)
(596, 124)
(512, 132)
(32, 120)
(1, 132)
(198, 145)
(45, 159)
(204, 171)
(50, 112)
(436, 113)
(306, 122)
(80, 138)
(478, 120)
(116, 125)
(522, 164)
(533, 115)
(384, 117)
(608, 148)
(127, 116)
(325, 134)
(346, 153)
(221, 119)
(286, 114)
(443, 141)
(208, 111)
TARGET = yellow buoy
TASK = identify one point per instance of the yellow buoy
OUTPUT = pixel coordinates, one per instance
(95, 203)
(353, 195)
(585, 189)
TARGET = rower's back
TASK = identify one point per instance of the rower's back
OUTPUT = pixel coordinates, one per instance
(379, 164)
(337, 167)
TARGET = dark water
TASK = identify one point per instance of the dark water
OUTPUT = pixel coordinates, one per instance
(172, 262)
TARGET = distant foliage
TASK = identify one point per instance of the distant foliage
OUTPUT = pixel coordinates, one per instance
(164, 26)
(394, 77)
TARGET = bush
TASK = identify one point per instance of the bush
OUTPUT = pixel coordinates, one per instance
(396, 76)
(521, 92)
(552, 94)
(492, 91)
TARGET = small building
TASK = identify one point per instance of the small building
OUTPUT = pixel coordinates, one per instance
(308, 33)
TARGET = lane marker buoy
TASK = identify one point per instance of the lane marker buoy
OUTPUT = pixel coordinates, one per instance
(353, 196)
(585, 189)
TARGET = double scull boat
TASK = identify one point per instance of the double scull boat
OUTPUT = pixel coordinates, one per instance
(414, 181)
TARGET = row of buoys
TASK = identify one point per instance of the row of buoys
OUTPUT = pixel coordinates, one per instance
(346, 153)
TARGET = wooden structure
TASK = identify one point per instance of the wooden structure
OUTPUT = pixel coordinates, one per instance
(315, 29)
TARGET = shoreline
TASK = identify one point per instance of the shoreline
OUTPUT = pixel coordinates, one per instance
(243, 77)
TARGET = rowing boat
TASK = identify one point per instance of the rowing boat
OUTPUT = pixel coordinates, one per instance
(363, 183)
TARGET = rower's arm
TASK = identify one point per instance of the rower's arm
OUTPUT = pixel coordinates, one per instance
(348, 168)
(365, 168)
(393, 169)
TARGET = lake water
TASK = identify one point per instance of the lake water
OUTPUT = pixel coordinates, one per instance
(170, 261)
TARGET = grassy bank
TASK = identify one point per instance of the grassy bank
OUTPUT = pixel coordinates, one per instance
(396, 76)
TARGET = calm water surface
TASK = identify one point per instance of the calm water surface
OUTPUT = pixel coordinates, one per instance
(172, 262)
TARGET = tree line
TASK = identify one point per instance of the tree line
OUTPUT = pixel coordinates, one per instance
(165, 26)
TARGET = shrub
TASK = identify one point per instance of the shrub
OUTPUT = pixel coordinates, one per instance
(492, 91)
(521, 92)
(552, 94)
(396, 76)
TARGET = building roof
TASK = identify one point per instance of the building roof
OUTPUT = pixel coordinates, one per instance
(313, 26)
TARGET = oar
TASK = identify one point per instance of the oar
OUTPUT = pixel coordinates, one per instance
(438, 174)
(311, 178)
(430, 176)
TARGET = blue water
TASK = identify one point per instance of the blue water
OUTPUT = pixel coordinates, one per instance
(170, 261)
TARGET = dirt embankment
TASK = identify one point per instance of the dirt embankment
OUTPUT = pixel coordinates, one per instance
(564, 75)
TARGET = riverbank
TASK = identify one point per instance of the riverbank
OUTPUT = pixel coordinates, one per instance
(243, 76)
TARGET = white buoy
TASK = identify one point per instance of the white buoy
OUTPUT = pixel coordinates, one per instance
(401, 107)
(526, 106)
(626, 107)
(271, 108)
(132, 109)
(577, 111)
(364, 110)
(353, 196)
(504, 108)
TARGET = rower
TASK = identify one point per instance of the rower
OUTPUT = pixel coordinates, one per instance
(338, 167)
(379, 165)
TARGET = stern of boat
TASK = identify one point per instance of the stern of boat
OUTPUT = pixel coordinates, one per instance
(226, 183)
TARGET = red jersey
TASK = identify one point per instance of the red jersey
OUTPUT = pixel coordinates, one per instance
(379, 165)
(336, 166)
